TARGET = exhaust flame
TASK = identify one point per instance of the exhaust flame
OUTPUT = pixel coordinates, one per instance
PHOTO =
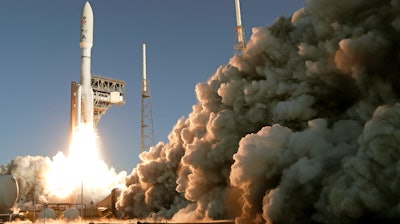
(81, 167)
(81, 176)
(84, 149)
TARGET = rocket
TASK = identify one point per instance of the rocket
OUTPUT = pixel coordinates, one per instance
(84, 91)
(240, 42)
(238, 19)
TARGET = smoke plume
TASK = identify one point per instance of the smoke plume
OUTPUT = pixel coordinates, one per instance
(36, 176)
(303, 127)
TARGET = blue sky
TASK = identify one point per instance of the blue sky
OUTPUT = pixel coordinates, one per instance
(40, 56)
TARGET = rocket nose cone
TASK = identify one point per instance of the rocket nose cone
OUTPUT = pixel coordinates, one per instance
(87, 9)
(86, 39)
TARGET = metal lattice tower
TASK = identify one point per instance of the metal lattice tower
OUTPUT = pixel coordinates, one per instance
(240, 40)
(146, 131)
(106, 92)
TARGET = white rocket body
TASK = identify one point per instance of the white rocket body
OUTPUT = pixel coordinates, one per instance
(85, 95)
(238, 16)
(240, 43)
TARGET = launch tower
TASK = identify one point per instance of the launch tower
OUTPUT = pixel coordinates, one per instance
(240, 41)
(106, 92)
(146, 130)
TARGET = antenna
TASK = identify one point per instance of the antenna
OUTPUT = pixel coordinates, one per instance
(240, 42)
(146, 130)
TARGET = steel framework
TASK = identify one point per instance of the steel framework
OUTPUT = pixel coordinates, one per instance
(146, 123)
(106, 92)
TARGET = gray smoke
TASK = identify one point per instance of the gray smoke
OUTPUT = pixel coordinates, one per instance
(302, 127)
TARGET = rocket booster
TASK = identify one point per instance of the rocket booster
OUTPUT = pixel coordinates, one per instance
(85, 95)
(239, 27)
(240, 42)
(238, 16)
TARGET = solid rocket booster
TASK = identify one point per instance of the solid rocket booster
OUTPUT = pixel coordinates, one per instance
(86, 43)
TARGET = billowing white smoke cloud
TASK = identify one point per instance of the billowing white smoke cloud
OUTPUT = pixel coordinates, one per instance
(302, 127)
(28, 170)
(33, 173)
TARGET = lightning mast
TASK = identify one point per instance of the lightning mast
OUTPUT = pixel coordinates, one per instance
(146, 131)
(240, 42)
